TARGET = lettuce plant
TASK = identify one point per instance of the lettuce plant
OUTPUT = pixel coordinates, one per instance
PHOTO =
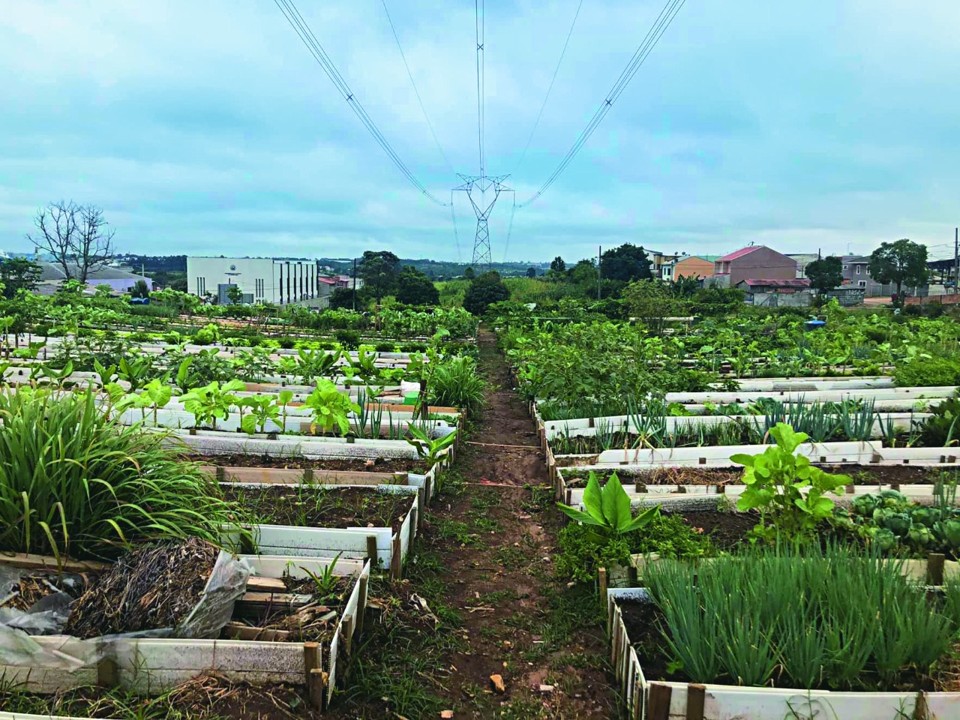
(331, 408)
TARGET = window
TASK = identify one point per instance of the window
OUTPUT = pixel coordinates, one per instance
(862, 283)
(858, 269)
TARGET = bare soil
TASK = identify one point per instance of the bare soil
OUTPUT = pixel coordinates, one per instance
(335, 507)
(384, 465)
(860, 474)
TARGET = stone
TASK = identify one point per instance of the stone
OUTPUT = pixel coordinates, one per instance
(497, 682)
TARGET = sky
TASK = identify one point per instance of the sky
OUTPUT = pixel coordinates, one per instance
(207, 128)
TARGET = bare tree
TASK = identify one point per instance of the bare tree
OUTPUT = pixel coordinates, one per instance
(76, 236)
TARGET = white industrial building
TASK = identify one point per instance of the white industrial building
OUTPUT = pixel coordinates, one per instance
(280, 281)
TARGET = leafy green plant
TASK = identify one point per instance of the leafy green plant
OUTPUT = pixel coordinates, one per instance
(263, 408)
(774, 480)
(212, 401)
(607, 514)
(739, 618)
(456, 382)
(430, 449)
(325, 582)
(331, 408)
(74, 482)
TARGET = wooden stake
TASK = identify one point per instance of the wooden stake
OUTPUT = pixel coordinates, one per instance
(106, 673)
(372, 551)
(361, 602)
(696, 698)
(658, 705)
(316, 684)
(395, 563)
(602, 577)
(313, 673)
(414, 519)
(935, 562)
(308, 475)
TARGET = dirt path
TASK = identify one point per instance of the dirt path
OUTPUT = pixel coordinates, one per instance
(481, 598)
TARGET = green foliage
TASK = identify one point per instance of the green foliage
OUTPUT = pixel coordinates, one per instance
(456, 382)
(212, 401)
(207, 335)
(75, 482)
(626, 264)
(804, 618)
(331, 408)
(484, 290)
(825, 274)
(924, 370)
(892, 523)
(774, 481)
(667, 535)
(415, 288)
(263, 408)
(18, 274)
(379, 271)
(430, 449)
(607, 515)
(941, 428)
(902, 263)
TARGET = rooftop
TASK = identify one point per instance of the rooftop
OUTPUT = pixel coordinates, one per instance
(791, 283)
(739, 253)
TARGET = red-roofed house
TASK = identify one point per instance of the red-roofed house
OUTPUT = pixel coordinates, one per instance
(753, 262)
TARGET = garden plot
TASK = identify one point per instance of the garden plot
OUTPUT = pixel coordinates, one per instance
(653, 689)
(294, 621)
(210, 442)
(377, 523)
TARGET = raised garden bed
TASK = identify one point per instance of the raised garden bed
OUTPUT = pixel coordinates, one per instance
(655, 689)
(376, 523)
(282, 631)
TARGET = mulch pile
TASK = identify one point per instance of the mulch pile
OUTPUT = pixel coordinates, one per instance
(153, 587)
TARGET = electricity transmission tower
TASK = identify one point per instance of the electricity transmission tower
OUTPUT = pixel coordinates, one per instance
(483, 191)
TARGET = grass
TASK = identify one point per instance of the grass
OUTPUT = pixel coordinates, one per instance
(75, 482)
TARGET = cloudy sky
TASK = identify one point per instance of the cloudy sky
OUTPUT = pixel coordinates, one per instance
(207, 127)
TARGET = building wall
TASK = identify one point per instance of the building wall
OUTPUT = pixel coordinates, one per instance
(692, 267)
(263, 279)
(762, 264)
(122, 285)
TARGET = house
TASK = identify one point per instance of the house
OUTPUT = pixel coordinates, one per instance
(802, 260)
(856, 273)
(754, 261)
(692, 266)
(281, 281)
(789, 292)
(658, 260)
(119, 280)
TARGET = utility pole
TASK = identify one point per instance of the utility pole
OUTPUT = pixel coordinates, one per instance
(956, 260)
(354, 285)
(474, 185)
(599, 260)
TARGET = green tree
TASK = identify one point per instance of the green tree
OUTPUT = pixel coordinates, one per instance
(531, 272)
(469, 273)
(234, 294)
(558, 266)
(903, 262)
(415, 288)
(626, 264)
(19, 274)
(379, 271)
(485, 290)
(140, 289)
(342, 299)
(825, 274)
(650, 301)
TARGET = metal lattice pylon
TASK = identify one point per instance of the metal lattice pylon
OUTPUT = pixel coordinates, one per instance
(481, 185)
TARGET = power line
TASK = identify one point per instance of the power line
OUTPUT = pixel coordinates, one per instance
(513, 211)
(415, 90)
(480, 12)
(663, 21)
(556, 70)
(453, 216)
(293, 16)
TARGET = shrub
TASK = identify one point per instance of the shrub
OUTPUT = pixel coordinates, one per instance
(456, 383)
(74, 481)
(927, 371)
(350, 339)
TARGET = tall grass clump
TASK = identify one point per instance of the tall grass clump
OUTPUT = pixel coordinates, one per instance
(456, 383)
(75, 482)
(805, 617)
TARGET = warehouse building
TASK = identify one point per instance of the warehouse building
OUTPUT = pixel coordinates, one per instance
(281, 281)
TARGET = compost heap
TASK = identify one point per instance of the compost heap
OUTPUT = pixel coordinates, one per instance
(150, 588)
